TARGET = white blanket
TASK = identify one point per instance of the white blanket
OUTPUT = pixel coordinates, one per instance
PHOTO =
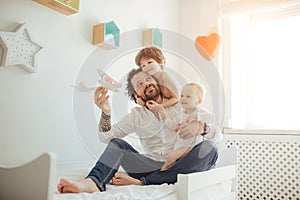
(131, 192)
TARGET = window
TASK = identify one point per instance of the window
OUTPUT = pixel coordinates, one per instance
(261, 63)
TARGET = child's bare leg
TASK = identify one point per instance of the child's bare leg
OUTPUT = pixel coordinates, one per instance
(175, 155)
(167, 165)
(85, 185)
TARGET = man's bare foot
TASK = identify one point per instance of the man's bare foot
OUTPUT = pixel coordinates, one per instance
(124, 179)
(85, 185)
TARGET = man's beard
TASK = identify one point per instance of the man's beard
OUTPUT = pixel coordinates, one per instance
(152, 96)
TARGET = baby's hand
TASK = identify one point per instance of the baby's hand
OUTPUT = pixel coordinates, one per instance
(152, 68)
(140, 101)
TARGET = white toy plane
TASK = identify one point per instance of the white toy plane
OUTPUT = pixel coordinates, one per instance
(104, 80)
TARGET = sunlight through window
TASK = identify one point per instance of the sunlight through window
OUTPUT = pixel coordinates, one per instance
(265, 71)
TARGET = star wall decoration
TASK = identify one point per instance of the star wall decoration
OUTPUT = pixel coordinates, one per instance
(18, 48)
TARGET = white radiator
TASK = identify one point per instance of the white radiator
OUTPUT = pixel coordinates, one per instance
(268, 166)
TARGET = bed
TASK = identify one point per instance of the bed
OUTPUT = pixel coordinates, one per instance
(37, 181)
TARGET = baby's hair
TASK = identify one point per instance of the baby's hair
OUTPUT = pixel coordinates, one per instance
(198, 89)
(150, 52)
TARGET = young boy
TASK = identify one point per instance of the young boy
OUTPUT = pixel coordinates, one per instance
(152, 60)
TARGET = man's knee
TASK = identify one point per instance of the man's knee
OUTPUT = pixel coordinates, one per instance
(116, 142)
(120, 144)
(207, 148)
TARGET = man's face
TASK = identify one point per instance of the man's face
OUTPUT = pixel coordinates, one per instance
(145, 86)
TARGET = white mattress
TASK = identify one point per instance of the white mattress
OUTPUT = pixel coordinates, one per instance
(125, 192)
(132, 192)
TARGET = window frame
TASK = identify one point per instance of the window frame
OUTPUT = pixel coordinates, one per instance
(226, 62)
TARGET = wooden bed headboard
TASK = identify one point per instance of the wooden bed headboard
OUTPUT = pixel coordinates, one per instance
(33, 180)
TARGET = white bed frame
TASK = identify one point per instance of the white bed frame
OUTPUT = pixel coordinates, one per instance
(35, 180)
(190, 186)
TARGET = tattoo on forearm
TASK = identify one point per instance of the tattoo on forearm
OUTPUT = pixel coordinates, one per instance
(104, 124)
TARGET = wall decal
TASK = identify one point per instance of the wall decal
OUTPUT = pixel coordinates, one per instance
(152, 37)
(208, 46)
(106, 35)
(66, 7)
(18, 48)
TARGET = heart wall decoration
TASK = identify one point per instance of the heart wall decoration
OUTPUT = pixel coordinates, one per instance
(208, 46)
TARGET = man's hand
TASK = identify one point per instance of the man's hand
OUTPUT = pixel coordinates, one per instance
(102, 99)
(190, 129)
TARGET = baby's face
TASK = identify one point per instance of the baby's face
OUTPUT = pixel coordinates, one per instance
(188, 98)
(150, 66)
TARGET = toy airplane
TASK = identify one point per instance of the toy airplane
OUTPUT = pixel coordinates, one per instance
(108, 82)
(83, 88)
(104, 80)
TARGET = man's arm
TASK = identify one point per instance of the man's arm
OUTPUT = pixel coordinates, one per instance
(104, 123)
(195, 128)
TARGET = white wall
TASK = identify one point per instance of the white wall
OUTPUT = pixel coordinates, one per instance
(36, 110)
(36, 113)
(198, 17)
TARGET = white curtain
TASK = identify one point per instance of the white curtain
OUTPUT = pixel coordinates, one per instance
(230, 7)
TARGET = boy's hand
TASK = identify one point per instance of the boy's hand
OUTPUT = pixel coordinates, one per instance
(153, 106)
(140, 101)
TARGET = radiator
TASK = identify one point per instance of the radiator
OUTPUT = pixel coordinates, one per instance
(268, 166)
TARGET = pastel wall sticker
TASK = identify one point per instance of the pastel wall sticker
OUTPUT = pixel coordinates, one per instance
(18, 48)
(151, 37)
(66, 7)
(106, 35)
(208, 46)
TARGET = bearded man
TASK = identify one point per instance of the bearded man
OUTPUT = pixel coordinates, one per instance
(155, 137)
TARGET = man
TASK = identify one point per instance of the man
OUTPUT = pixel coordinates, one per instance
(156, 139)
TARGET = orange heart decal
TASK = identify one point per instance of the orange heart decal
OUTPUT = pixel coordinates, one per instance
(208, 46)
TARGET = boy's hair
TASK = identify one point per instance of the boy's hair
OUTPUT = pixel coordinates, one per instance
(150, 52)
(130, 88)
(198, 89)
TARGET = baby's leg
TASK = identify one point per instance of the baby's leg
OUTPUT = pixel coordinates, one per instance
(175, 155)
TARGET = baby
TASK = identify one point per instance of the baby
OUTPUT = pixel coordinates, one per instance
(192, 96)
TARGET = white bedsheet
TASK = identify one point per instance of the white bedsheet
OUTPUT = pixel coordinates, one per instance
(133, 192)
(165, 191)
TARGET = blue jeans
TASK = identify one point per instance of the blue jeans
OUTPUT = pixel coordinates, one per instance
(119, 153)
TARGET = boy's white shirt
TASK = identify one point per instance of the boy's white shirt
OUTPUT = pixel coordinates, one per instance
(156, 138)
